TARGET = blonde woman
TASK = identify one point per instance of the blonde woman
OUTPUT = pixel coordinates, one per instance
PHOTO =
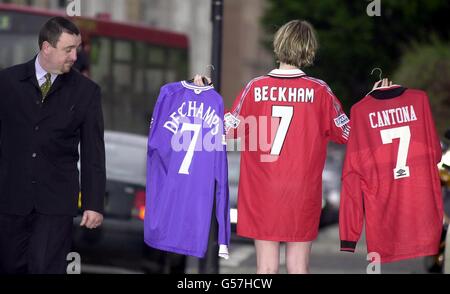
(280, 186)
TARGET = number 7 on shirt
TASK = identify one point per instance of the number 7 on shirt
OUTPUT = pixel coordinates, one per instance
(285, 113)
(401, 170)
(184, 168)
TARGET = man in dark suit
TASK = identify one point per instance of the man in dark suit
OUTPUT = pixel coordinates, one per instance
(46, 110)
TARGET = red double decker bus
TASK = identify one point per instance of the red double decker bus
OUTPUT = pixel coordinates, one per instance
(129, 62)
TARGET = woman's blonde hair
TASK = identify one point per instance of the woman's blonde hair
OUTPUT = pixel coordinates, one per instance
(295, 43)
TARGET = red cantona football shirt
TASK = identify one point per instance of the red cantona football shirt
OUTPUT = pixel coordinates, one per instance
(390, 177)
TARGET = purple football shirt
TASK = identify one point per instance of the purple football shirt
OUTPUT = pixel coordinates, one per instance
(186, 170)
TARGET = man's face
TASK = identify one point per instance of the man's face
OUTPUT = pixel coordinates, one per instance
(64, 55)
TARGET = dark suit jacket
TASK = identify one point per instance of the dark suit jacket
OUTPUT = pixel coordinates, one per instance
(39, 143)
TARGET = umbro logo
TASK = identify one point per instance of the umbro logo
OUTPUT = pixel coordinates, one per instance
(401, 173)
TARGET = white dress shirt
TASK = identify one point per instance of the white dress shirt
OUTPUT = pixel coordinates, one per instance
(40, 73)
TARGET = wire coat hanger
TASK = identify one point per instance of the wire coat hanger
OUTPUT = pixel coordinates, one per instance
(379, 81)
(381, 72)
(210, 66)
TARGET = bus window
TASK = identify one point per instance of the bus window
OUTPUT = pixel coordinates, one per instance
(177, 63)
(18, 38)
(16, 49)
(154, 79)
(100, 58)
(139, 81)
(156, 56)
(140, 60)
(140, 54)
(5, 23)
(122, 51)
(174, 58)
(122, 77)
(171, 75)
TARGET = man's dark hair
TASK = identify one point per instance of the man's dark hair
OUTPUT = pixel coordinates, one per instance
(54, 27)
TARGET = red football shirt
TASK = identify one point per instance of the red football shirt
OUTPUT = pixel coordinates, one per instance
(390, 177)
(285, 121)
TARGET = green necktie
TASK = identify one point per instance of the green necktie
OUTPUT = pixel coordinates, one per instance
(45, 87)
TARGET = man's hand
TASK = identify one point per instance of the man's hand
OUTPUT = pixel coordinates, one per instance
(91, 219)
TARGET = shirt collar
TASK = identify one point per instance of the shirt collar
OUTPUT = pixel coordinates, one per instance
(40, 72)
(197, 89)
(286, 73)
(385, 88)
(387, 92)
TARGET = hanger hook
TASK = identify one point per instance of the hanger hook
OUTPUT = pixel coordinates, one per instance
(381, 72)
(210, 66)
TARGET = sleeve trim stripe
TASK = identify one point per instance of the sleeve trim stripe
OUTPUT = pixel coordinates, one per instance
(320, 82)
(348, 249)
(348, 244)
(336, 105)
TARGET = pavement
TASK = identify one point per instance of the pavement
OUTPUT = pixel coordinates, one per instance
(325, 258)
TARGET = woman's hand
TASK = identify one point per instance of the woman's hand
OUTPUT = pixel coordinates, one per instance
(201, 80)
(382, 83)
